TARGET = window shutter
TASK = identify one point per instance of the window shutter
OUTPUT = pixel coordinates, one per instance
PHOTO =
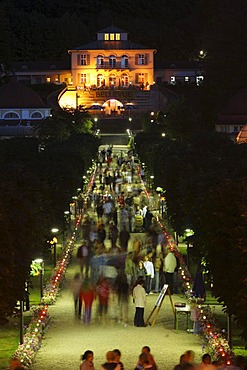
(136, 59)
(146, 77)
(78, 59)
(136, 78)
(88, 59)
(78, 79)
(146, 58)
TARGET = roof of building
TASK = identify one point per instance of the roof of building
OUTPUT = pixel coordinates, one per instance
(112, 45)
(112, 29)
(235, 111)
(41, 66)
(16, 95)
(179, 64)
(237, 105)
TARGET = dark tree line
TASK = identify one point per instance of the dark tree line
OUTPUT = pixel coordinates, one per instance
(36, 187)
(204, 174)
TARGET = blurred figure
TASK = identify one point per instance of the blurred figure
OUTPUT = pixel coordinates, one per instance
(87, 361)
(75, 289)
(124, 237)
(87, 296)
(103, 294)
(122, 291)
(111, 363)
(130, 268)
(113, 234)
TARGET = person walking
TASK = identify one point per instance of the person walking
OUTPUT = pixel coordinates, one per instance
(87, 295)
(103, 294)
(124, 237)
(139, 298)
(75, 289)
(122, 290)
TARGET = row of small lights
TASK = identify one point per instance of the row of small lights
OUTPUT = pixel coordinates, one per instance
(214, 336)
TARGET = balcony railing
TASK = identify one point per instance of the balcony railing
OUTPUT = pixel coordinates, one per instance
(112, 65)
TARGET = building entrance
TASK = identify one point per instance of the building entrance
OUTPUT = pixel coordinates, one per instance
(113, 106)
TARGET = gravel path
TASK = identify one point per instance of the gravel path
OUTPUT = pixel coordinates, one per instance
(67, 338)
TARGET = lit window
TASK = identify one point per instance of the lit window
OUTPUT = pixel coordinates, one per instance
(141, 59)
(173, 80)
(48, 79)
(199, 80)
(141, 78)
(112, 80)
(106, 36)
(83, 60)
(100, 61)
(83, 78)
(112, 61)
(112, 38)
(124, 61)
(186, 79)
(117, 36)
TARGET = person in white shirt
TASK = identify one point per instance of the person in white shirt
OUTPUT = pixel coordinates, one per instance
(148, 264)
(170, 263)
(139, 298)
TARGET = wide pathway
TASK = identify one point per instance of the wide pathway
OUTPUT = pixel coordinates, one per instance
(68, 338)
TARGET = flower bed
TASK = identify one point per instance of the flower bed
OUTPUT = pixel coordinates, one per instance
(215, 342)
(26, 352)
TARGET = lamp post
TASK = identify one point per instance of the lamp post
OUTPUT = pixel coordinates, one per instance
(66, 223)
(151, 181)
(54, 243)
(130, 121)
(41, 274)
(95, 121)
(74, 200)
(21, 322)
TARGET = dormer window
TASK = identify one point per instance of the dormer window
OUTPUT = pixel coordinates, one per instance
(118, 37)
(112, 36)
(106, 36)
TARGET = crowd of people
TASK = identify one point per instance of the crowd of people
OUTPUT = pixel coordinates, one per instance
(147, 361)
(113, 266)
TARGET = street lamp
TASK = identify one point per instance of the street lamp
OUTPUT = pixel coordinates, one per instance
(151, 181)
(96, 120)
(40, 263)
(75, 199)
(54, 243)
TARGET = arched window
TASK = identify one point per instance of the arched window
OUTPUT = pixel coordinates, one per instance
(124, 61)
(100, 80)
(100, 61)
(112, 61)
(11, 115)
(36, 115)
(124, 80)
(112, 80)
